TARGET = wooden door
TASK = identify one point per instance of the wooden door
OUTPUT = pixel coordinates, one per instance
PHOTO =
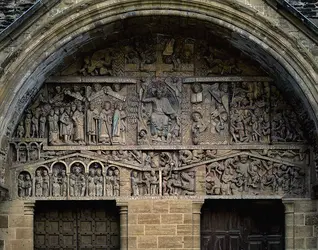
(76, 226)
(242, 225)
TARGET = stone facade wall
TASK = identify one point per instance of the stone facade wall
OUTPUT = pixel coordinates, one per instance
(301, 224)
(16, 225)
(163, 224)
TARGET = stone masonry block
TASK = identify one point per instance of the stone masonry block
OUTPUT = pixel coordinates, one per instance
(136, 230)
(180, 206)
(4, 221)
(289, 231)
(311, 243)
(171, 218)
(289, 243)
(24, 233)
(20, 221)
(289, 219)
(132, 242)
(161, 206)
(140, 206)
(187, 219)
(191, 241)
(300, 219)
(147, 242)
(303, 231)
(148, 218)
(305, 206)
(21, 244)
(187, 229)
(132, 218)
(170, 242)
(311, 219)
(300, 243)
(160, 229)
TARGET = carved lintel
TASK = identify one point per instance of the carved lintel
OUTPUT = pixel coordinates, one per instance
(90, 79)
(228, 79)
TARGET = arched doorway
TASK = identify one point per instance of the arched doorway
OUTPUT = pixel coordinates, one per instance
(148, 113)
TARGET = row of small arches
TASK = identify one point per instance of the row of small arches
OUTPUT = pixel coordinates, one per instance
(69, 168)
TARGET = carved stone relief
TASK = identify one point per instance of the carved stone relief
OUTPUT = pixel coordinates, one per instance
(247, 174)
(137, 105)
(144, 183)
(59, 180)
(24, 185)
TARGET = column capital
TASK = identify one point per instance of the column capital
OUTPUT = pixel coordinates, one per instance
(197, 205)
(289, 206)
(29, 207)
(123, 206)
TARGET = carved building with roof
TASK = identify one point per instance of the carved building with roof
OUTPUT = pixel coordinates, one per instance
(158, 124)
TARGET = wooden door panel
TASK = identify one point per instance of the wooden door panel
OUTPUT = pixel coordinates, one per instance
(86, 226)
(242, 225)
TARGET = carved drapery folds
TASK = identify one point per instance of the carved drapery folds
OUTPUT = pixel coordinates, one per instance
(76, 179)
(159, 111)
(137, 108)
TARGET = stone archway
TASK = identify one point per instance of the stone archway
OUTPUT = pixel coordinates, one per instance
(189, 128)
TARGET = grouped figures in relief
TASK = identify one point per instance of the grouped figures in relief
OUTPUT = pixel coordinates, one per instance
(41, 182)
(144, 183)
(78, 115)
(159, 113)
(250, 112)
(285, 123)
(209, 112)
(178, 182)
(24, 184)
(77, 180)
(244, 174)
(112, 181)
(59, 180)
(95, 180)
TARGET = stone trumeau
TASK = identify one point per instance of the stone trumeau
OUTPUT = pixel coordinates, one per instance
(157, 125)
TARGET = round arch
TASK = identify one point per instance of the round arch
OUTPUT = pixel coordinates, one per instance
(57, 38)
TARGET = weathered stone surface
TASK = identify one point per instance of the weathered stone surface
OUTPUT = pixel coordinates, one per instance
(136, 230)
(300, 243)
(147, 242)
(180, 206)
(160, 229)
(299, 219)
(140, 206)
(24, 233)
(311, 219)
(171, 218)
(170, 242)
(4, 221)
(305, 206)
(311, 243)
(148, 218)
(303, 231)
(192, 241)
(20, 221)
(161, 206)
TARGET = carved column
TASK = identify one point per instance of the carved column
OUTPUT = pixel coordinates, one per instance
(29, 220)
(123, 211)
(196, 219)
(289, 224)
